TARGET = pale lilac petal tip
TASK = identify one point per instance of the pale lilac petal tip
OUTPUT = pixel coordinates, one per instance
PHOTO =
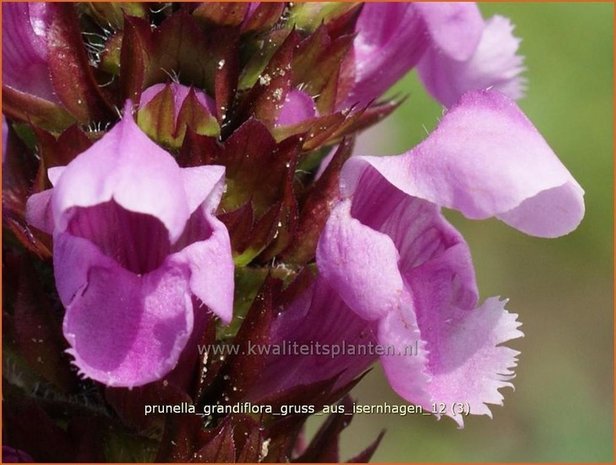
(204, 186)
(252, 6)
(471, 365)
(494, 64)
(54, 174)
(454, 27)
(38, 211)
(485, 159)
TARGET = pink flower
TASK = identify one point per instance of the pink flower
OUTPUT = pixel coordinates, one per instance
(401, 267)
(137, 252)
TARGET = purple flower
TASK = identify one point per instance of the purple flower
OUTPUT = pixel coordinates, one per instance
(397, 263)
(137, 251)
(455, 50)
(24, 52)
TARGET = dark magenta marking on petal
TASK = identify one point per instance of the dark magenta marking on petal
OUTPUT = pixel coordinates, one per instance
(137, 241)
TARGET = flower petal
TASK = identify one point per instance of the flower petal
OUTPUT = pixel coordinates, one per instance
(418, 231)
(485, 159)
(470, 365)
(211, 269)
(54, 174)
(24, 54)
(454, 27)
(126, 166)
(406, 372)
(460, 365)
(73, 257)
(127, 330)
(135, 241)
(38, 206)
(365, 251)
(435, 307)
(494, 64)
(360, 263)
(298, 107)
(12, 455)
(38, 211)
(205, 246)
(391, 38)
(204, 186)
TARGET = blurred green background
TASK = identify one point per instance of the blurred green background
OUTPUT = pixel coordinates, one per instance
(562, 406)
